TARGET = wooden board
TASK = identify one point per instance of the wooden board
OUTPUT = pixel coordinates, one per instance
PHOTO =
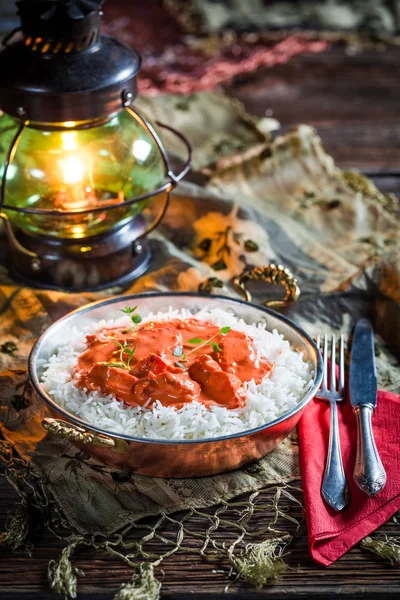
(351, 99)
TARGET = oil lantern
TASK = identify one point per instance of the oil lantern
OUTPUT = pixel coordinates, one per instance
(80, 166)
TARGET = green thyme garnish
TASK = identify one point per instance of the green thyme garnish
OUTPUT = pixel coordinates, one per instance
(123, 349)
(183, 357)
(135, 318)
(116, 365)
(199, 342)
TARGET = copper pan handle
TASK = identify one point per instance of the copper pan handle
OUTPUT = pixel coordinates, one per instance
(76, 433)
(270, 274)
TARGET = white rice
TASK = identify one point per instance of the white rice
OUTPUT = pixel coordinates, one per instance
(291, 378)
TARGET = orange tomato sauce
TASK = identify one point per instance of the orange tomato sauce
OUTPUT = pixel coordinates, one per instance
(211, 375)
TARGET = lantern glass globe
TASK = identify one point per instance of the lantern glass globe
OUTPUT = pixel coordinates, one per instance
(72, 168)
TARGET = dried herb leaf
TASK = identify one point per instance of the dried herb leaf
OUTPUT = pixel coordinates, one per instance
(19, 402)
(8, 347)
(205, 244)
(220, 265)
(251, 246)
(334, 203)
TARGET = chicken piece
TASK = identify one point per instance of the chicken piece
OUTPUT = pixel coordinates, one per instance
(201, 369)
(239, 356)
(169, 388)
(218, 385)
(152, 364)
(111, 380)
(224, 389)
(154, 338)
(97, 352)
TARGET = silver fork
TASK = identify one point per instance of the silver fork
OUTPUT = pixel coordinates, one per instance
(334, 488)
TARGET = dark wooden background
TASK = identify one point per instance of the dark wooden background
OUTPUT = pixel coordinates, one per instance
(353, 101)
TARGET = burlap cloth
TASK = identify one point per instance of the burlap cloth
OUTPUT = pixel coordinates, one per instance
(335, 231)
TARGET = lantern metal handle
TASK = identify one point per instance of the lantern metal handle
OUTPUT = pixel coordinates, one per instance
(174, 179)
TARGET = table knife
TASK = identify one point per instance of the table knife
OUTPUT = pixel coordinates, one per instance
(369, 473)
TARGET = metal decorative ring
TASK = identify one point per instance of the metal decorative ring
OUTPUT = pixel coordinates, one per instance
(270, 274)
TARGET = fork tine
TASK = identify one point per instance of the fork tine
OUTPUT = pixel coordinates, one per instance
(333, 363)
(341, 366)
(325, 357)
(318, 344)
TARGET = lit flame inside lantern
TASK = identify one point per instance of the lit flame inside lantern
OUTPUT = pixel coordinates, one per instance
(73, 171)
(76, 191)
(74, 194)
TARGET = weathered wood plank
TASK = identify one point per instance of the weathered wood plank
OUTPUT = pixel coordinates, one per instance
(351, 99)
(188, 576)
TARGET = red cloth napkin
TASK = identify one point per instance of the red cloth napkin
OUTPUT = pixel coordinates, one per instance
(331, 533)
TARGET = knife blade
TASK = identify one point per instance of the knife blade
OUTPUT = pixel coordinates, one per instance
(363, 380)
(369, 473)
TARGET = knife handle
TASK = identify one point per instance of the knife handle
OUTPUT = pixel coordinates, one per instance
(369, 474)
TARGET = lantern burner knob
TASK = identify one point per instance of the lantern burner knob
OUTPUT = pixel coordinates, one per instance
(60, 26)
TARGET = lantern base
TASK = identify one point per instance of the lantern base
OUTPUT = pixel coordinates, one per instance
(87, 264)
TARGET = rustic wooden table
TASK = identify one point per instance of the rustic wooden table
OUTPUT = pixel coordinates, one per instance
(352, 99)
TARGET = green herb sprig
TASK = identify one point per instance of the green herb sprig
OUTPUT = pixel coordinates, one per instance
(135, 317)
(199, 342)
(124, 349)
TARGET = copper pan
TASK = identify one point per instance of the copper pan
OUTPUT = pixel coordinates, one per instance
(185, 458)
